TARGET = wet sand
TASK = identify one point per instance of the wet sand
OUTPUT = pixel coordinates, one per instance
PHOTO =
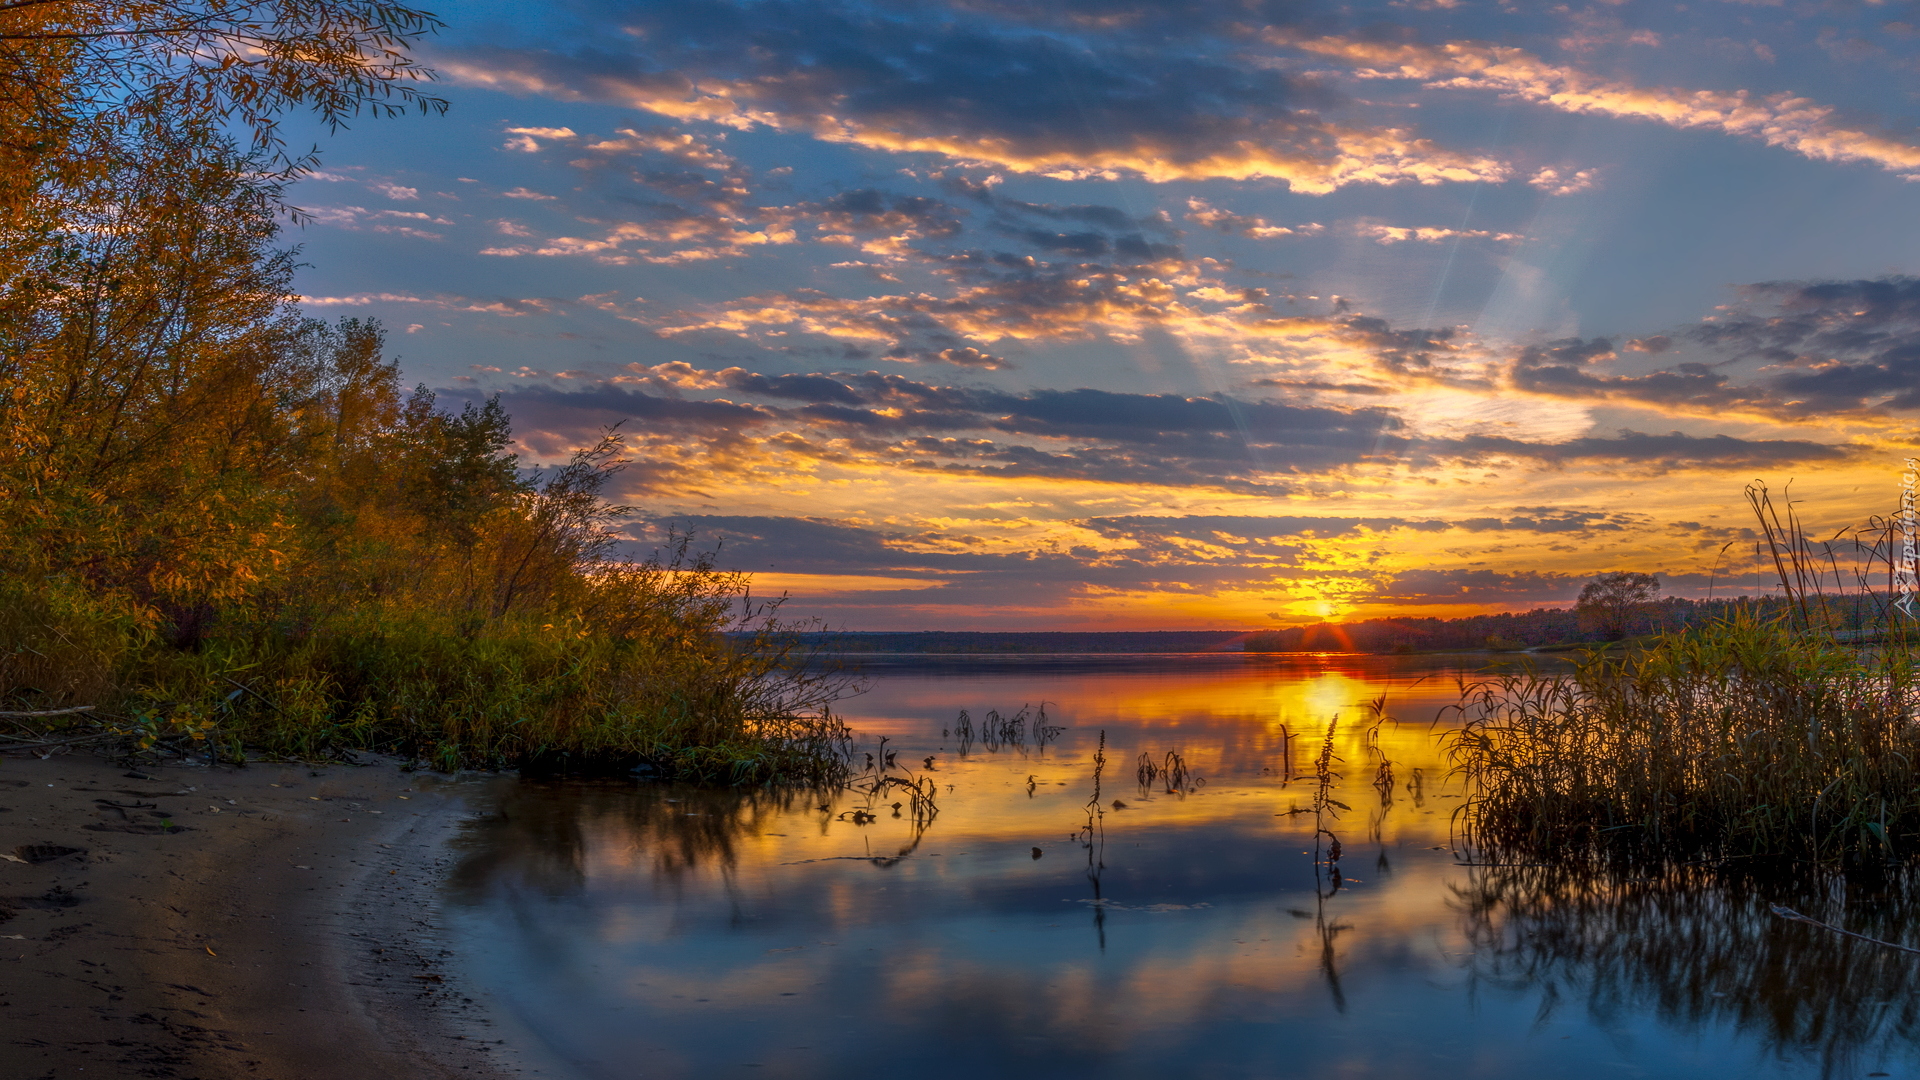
(275, 922)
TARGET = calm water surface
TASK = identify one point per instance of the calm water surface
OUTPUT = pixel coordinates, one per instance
(1027, 929)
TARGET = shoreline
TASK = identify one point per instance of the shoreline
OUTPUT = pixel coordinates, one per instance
(268, 921)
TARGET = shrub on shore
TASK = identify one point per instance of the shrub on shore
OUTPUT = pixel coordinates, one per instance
(224, 526)
(434, 604)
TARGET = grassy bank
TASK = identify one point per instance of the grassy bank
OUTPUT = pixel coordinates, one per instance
(535, 689)
(531, 690)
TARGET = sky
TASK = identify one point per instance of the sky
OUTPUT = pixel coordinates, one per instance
(1111, 314)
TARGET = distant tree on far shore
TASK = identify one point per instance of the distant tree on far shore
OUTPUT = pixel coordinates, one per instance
(1610, 603)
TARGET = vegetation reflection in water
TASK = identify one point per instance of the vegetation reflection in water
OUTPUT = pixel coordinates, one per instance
(1202, 923)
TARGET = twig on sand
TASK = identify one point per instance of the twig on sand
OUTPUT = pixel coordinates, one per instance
(1793, 916)
(9, 743)
(50, 712)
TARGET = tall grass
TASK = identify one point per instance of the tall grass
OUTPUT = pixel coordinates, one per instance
(545, 690)
(1758, 735)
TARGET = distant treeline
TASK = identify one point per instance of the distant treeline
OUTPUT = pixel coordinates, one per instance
(954, 641)
(1546, 626)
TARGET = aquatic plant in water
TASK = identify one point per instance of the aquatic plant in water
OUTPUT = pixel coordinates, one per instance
(1765, 734)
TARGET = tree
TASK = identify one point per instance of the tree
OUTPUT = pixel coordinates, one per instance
(1610, 602)
(154, 404)
(91, 90)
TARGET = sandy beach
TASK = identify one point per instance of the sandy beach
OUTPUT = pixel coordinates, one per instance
(277, 922)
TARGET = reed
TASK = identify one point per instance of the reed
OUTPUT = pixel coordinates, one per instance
(1743, 738)
(1769, 732)
(996, 732)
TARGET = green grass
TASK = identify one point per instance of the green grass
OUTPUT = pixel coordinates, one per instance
(526, 691)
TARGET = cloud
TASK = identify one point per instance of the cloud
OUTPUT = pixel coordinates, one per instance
(1128, 558)
(396, 192)
(1800, 352)
(1798, 124)
(1673, 451)
(1251, 530)
(345, 217)
(1565, 181)
(408, 230)
(498, 306)
(1201, 213)
(676, 145)
(1474, 587)
(1834, 346)
(360, 300)
(1395, 234)
(1565, 368)
(526, 193)
(873, 420)
(978, 89)
(527, 138)
(1020, 304)
(356, 218)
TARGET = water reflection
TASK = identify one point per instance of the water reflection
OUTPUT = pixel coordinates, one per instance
(1701, 949)
(1222, 869)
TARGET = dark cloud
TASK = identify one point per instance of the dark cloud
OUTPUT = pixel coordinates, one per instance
(1252, 532)
(1113, 231)
(1673, 450)
(1161, 20)
(1562, 368)
(1217, 441)
(1469, 586)
(978, 84)
(1214, 527)
(870, 210)
(815, 389)
(574, 410)
(1846, 345)
(1803, 351)
(1549, 519)
(1189, 555)
(1402, 352)
(959, 578)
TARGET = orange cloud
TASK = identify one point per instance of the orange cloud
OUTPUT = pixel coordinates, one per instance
(1798, 124)
(1395, 234)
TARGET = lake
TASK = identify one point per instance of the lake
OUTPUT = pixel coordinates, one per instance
(1022, 923)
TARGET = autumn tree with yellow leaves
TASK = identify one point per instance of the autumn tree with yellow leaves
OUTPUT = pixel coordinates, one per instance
(229, 527)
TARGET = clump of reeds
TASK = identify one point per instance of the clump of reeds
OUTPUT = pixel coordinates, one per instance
(1760, 734)
(995, 731)
(1170, 771)
(1742, 738)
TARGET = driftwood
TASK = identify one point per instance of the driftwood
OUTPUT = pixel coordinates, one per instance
(1791, 915)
